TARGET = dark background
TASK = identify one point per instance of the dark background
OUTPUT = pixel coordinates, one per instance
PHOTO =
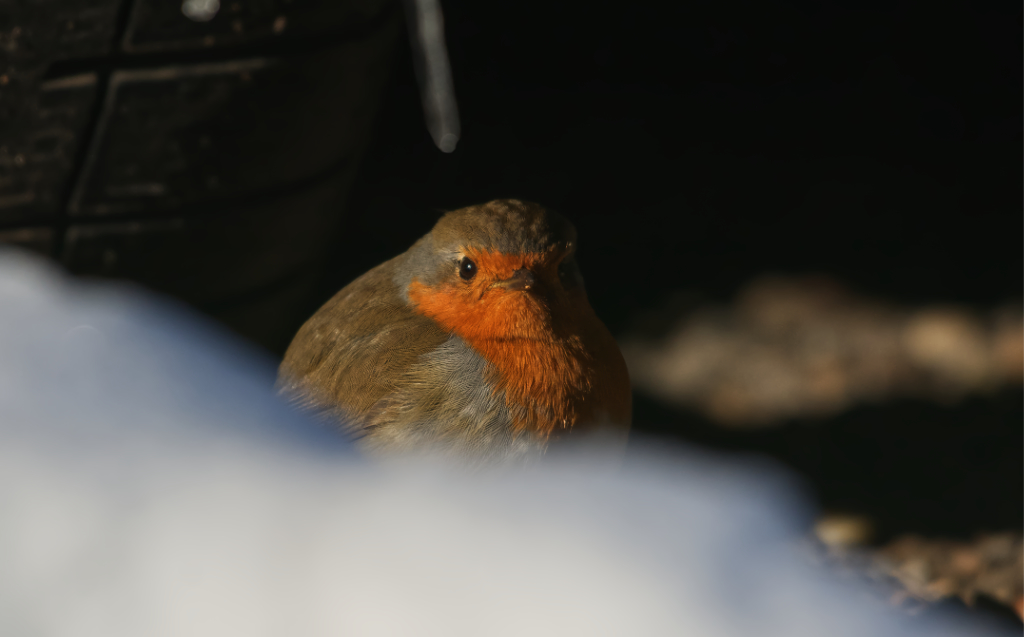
(698, 144)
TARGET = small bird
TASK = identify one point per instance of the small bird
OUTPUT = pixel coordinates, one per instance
(478, 341)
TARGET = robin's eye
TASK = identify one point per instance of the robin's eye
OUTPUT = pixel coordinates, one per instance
(467, 269)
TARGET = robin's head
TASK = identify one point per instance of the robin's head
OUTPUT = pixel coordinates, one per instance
(504, 269)
(503, 277)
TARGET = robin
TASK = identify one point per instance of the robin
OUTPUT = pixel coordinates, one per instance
(479, 339)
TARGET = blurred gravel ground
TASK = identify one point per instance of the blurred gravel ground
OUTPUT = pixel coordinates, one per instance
(914, 571)
(809, 348)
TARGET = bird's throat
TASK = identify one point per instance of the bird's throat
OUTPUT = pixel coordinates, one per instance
(557, 366)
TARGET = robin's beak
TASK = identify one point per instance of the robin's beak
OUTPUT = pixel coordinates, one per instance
(520, 281)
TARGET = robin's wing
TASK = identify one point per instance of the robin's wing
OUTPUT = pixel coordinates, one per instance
(352, 352)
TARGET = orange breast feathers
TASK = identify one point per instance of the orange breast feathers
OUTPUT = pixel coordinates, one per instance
(551, 355)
